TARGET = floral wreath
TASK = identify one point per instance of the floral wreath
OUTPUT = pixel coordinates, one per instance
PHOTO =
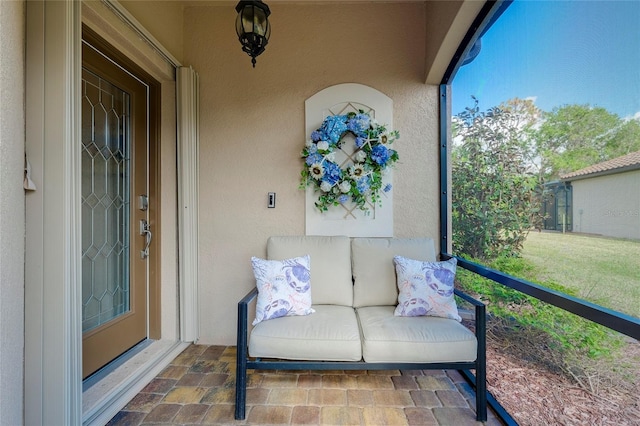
(361, 179)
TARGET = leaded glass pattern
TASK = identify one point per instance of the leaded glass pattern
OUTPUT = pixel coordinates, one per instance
(105, 201)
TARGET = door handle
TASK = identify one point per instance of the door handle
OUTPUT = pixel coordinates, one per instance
(145, 229)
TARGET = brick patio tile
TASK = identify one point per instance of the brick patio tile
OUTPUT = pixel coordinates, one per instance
(404, 382)
(162, 413)
(267, 414)
(420, 416)
(143, 402)
(339, 381)
(392, 398)
(191, 413)
(411, 372)
(185, 395)
(310, 381)
(286, 396)
(355, 372)
(279, 381)
(331, 415)
(127, 418)
(327, 397)
(456, 376)
(466, 391)
(384, 372)
(204, 366)
(159, 386)
(384, 416)
(305, 416)
(359, 397)
(455, 416)
(173, 372)
(218, 396)
(374, 382)
(425, 398)
(220, 414)
(184, 359)
(257, 396)
(213, 352)
(254, 380)
(195, 349)
(435, 383)
(440, 373)
(191, 379)
(214, 379)
(451, 398)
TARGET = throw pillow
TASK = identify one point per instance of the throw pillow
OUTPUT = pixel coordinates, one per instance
(284, 287)
(425, 288)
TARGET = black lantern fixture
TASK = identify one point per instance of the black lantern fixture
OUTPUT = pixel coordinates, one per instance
(252, 27)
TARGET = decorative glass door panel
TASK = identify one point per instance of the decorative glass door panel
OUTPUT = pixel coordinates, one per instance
(105, 201)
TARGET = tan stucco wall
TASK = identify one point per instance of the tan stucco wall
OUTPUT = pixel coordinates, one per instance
(163, 19)
(12, 38)
(252, 128)
(608, 205)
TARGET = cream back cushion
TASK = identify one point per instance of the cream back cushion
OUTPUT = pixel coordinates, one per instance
(331, 282)
(374, 273)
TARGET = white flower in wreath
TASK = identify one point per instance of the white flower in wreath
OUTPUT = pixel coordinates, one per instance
(345, 186)
(316, 171)
(308, 143)
(323, 146)
(357, 171)
(361, 156)
(326, 186)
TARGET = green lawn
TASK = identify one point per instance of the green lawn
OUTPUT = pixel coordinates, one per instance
(605, 271)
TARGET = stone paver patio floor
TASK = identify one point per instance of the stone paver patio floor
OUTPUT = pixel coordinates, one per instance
(198, 387)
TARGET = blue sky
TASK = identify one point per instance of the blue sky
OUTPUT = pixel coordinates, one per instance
(558, 52)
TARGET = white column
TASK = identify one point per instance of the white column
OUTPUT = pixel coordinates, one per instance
(188, 136)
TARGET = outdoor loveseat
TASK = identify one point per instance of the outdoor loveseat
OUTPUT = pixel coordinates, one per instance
(348, 322)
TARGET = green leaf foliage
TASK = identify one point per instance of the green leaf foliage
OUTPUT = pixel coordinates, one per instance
(494, 200)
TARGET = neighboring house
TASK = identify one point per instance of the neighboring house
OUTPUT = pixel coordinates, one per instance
(207, 205)
(606, 197)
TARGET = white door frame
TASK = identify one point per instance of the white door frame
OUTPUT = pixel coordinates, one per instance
(53, 291)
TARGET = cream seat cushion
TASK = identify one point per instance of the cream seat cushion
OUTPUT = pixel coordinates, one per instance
(374, 274)
(387, 338)
(329, 334)
(331, 282)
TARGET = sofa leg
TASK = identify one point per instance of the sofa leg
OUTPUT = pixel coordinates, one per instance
(481, 394)
(241, 385)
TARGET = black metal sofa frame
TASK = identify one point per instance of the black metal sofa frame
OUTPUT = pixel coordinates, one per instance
(244, 362)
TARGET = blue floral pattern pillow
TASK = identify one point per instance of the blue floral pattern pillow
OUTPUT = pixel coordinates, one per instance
(284, 287)
(425, 288)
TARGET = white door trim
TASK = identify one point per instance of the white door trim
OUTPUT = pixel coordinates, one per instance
(53, 335)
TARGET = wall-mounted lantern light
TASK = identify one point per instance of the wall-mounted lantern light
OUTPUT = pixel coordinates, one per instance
(252, 27)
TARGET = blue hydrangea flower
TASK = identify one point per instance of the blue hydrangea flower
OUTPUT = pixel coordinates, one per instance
(359, 123)
(333, 127)
(313, 158)
(380, 154)
(332, 173)
(363, 184)
(387, 187)
(343, 198)
(360, 141)
(316, 136)
(313, 148)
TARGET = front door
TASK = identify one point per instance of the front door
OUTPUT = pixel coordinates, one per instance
(116, 234)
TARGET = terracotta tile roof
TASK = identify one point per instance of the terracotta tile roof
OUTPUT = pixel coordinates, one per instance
(626, 162)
